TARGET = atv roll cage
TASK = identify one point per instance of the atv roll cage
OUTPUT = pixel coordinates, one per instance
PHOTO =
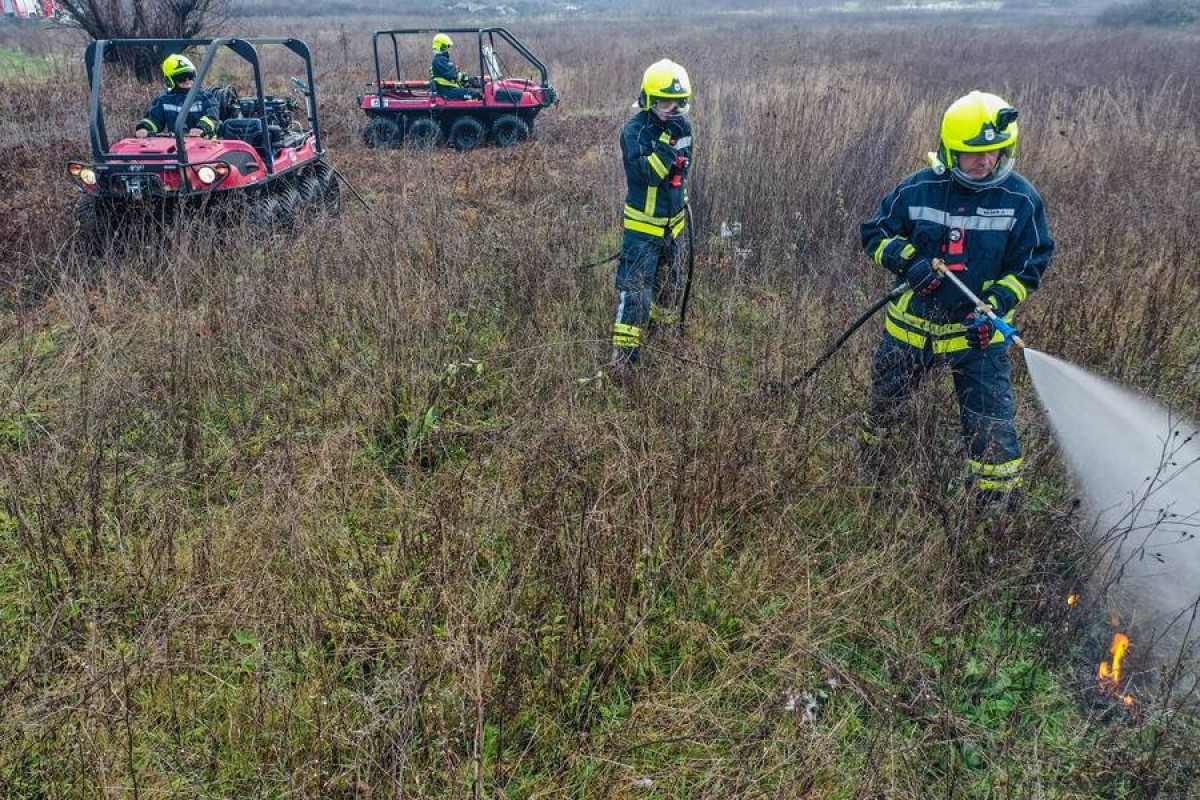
(244, 48)
(485, 38)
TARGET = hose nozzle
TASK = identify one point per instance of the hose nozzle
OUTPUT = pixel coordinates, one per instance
(1010, 333)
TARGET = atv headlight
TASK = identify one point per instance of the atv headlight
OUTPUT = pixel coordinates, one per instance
(88, 176)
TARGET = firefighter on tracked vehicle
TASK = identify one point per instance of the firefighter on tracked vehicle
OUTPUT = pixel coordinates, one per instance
(448, 82)
(986, 224)
(202, 118)
(656, 147)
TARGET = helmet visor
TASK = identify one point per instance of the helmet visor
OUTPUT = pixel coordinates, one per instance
(970, 174)
(669, 108)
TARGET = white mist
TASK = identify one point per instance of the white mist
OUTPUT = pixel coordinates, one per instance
(1138, 466)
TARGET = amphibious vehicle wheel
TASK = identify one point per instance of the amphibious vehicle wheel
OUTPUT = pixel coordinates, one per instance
(331, 189)
(289, 203)
(382, 132)
(101, 224)
(466, 133)
(333, 197)
(93, 220)
(509, 129)
(263, 211)
(310, 189)
(422, 134)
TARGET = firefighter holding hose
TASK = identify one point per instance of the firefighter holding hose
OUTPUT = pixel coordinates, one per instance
(971, 214)
(656, 149)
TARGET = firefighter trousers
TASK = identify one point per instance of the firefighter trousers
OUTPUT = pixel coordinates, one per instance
(983, 385)
(647, 282)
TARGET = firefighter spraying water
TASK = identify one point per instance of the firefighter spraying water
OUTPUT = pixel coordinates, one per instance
(965, 226)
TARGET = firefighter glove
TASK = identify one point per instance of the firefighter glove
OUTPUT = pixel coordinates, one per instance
(979, 330)
(922, 277)
(666, 153)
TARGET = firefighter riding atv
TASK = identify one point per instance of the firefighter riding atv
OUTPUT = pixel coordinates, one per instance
(416, 112)
(257, 160)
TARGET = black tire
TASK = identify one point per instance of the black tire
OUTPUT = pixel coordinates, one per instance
(105, 226)
(288, 202)
(310, 189)
(331, 189)
(422, 134)
(333, 197)
(466, 133)
(382, 132)
(263, 211)
(94, 219)
(509, 129)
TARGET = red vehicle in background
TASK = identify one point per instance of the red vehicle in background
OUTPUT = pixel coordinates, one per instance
(263, 156)
(30, 9)
(408, 111)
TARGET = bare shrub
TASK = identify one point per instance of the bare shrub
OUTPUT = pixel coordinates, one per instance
(146, 19)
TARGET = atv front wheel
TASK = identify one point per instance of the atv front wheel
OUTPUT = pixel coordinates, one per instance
(509, 129)
(382, 132)
(101, 224)
(466, 133)
(422, 134)
(93, 218)
(263, 211)
(288, 203)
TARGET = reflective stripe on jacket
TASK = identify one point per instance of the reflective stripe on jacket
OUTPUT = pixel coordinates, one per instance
(998, 237)
(652, 205)
(443, 71)
(166, 107)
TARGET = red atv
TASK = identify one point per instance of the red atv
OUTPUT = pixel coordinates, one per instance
(502, 108)
(263, 162)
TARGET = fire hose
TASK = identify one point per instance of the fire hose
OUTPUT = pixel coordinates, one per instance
(1010, 333)
(871, 311)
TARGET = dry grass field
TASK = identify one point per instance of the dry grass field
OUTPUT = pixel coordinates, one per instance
(341, 513)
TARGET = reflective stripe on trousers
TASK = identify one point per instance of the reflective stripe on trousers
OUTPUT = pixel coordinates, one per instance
(643, 258)
(983, 386)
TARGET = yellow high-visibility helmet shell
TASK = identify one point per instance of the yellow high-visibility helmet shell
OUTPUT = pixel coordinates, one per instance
(665, 80)
(176, 67)
(977, 123)
(442, 42)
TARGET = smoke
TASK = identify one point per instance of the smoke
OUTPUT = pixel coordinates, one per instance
(1139, 468)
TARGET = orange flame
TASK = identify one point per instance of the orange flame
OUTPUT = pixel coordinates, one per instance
(1110, 676)
(1072, 599)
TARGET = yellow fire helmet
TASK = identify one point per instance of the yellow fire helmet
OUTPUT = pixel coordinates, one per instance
(977, 123)
(177, 68)
(442, 42)
(666, 80)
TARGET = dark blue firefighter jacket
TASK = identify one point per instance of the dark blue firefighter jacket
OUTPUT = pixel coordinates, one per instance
(652, 202)
(166, 107)
(996, 239)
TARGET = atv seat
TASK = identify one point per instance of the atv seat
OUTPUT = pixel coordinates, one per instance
(250, 130)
